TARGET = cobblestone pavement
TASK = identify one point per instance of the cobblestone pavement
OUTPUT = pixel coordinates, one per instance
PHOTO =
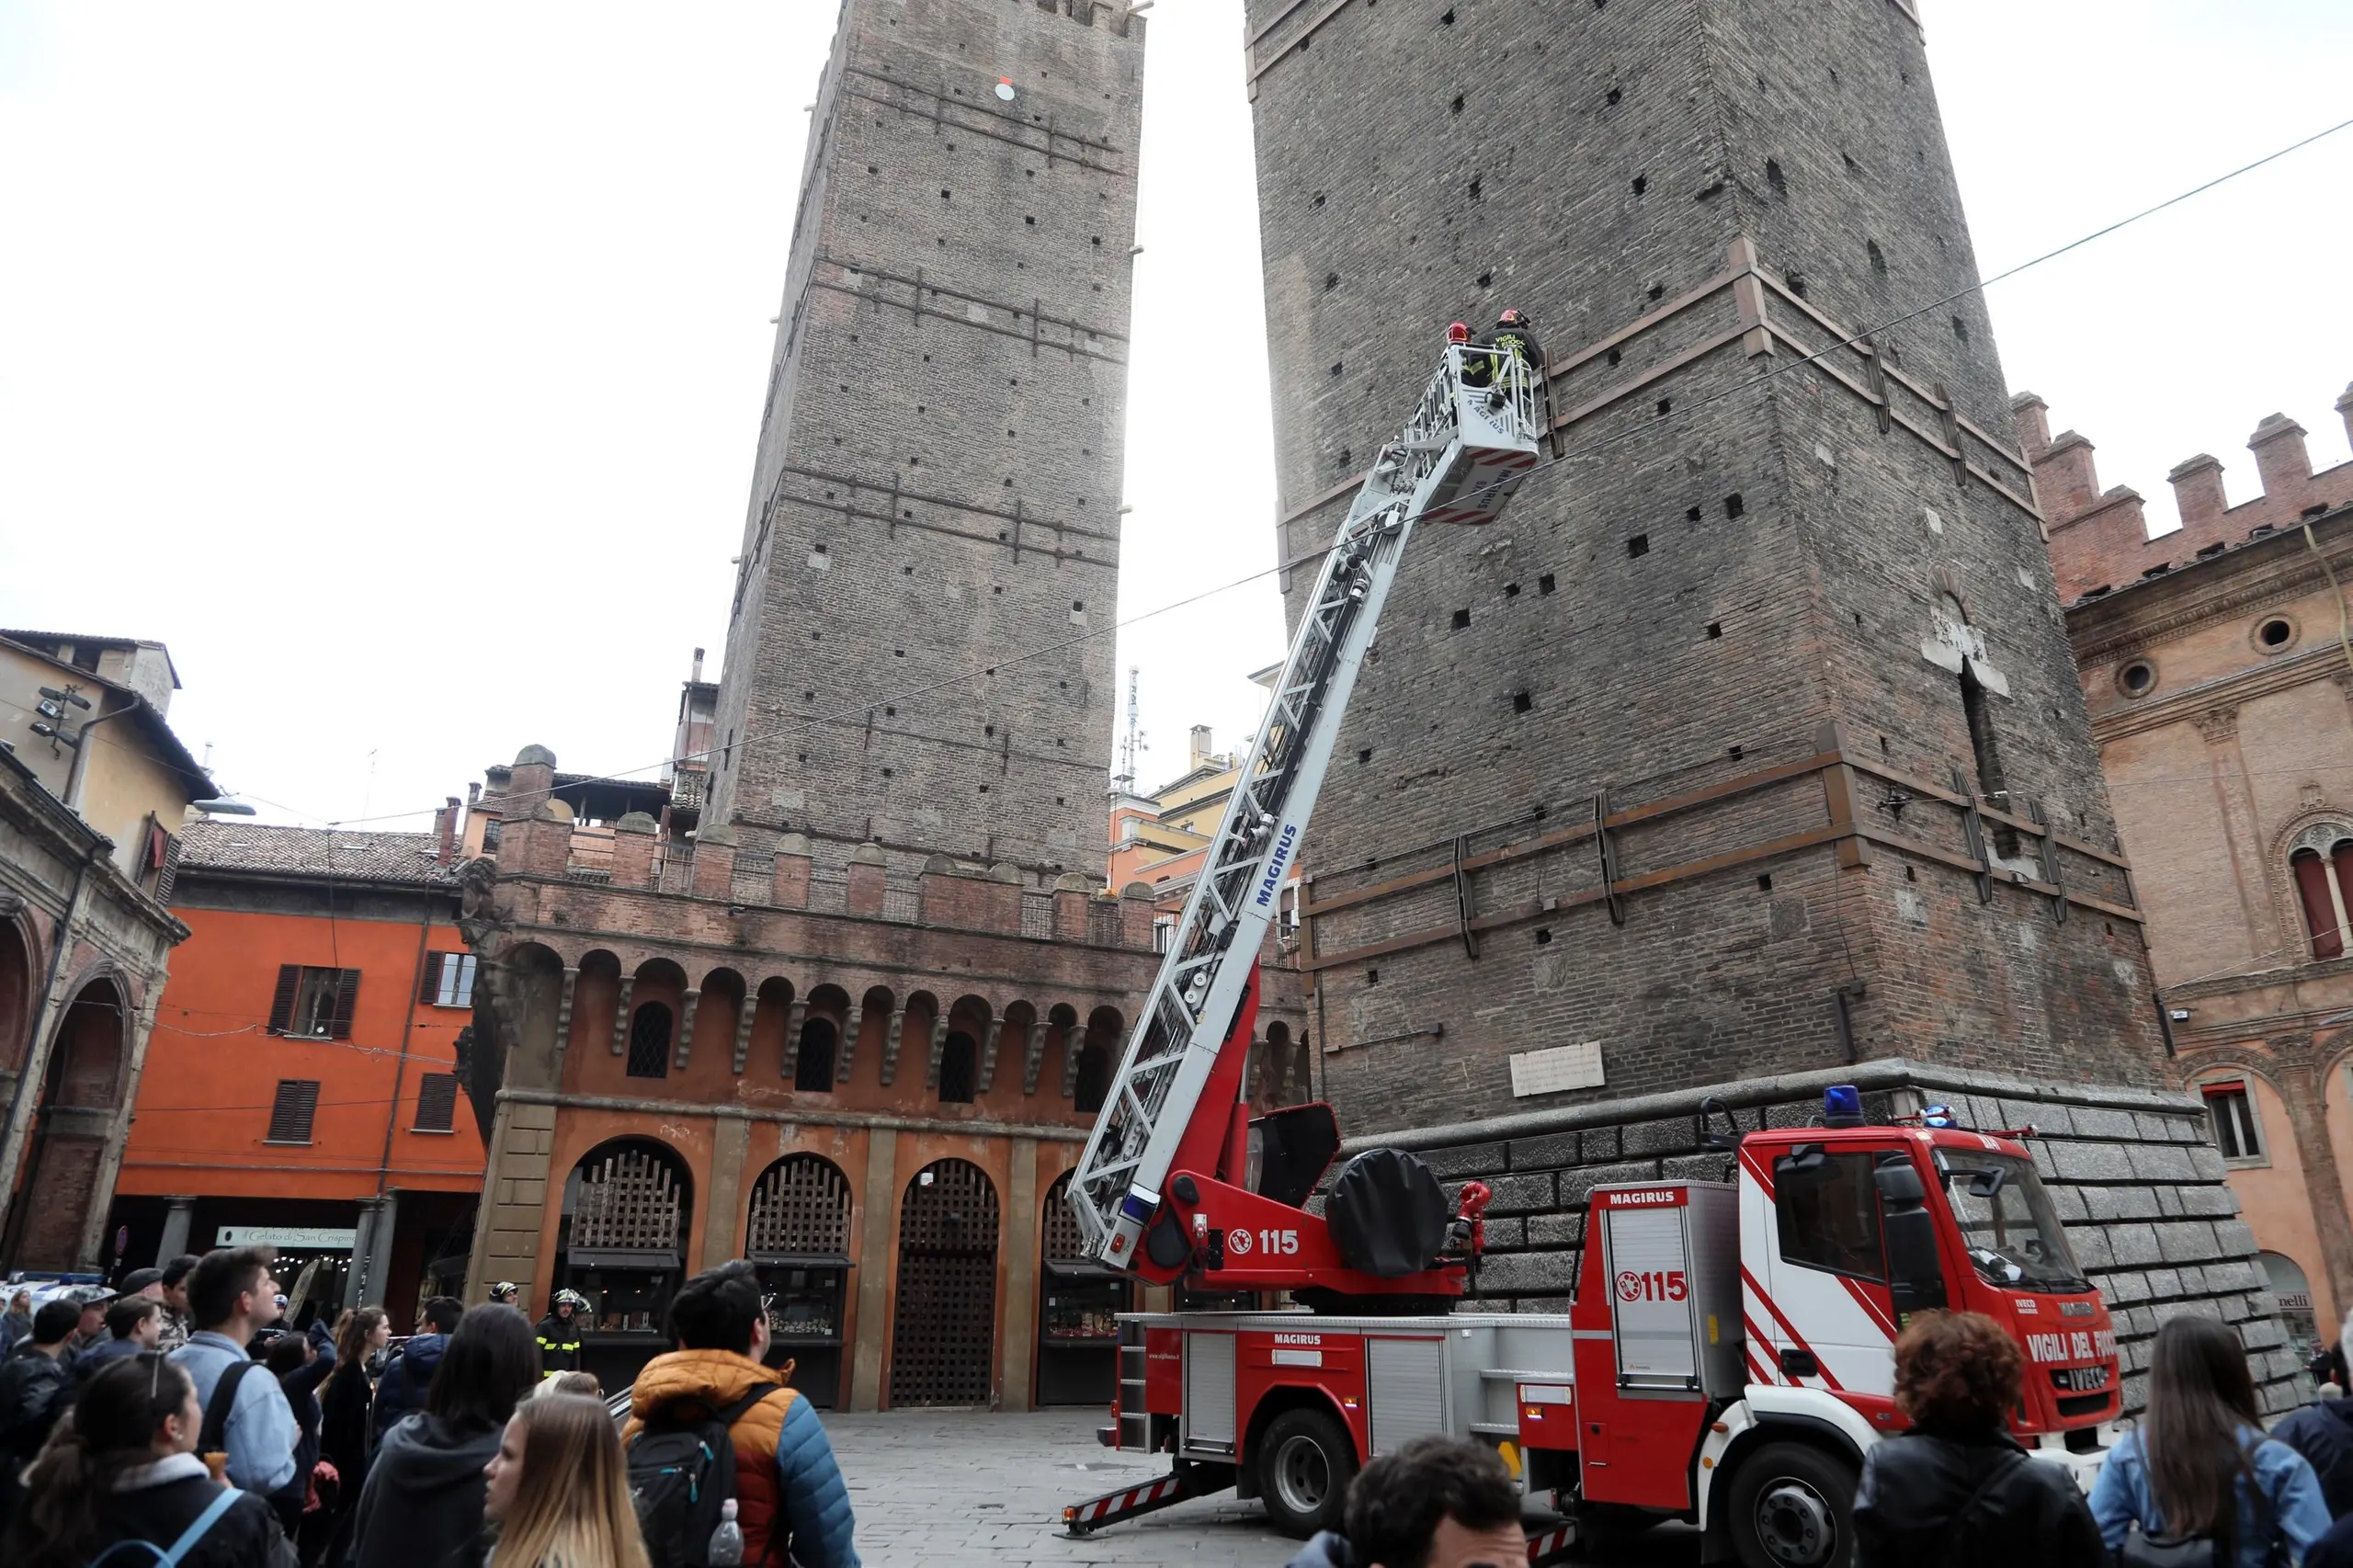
(968, 1489)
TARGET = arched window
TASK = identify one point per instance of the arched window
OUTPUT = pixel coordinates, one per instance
(812, 1069)
(2322, 863)
(649, 1041)
(1093, 1077)
(959, 1065)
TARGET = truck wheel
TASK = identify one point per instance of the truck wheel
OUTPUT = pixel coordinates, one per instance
(1305, 1463)
(1793, 1506)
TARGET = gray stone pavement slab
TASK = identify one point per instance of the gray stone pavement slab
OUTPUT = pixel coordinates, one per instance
(974, 1489)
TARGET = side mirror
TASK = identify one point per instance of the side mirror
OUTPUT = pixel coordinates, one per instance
(1915, 1274)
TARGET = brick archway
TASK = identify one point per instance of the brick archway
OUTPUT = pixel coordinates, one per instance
(80, 1093)
(943, 1335)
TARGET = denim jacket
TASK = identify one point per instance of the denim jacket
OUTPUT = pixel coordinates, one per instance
(2297, 1510)
(261, 1431)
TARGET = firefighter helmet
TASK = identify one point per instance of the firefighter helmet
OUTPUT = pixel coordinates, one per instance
(507, 1292)
(1512, 317)
(572, 1299)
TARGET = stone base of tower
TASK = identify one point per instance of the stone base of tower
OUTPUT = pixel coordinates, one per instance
(2131, 1172)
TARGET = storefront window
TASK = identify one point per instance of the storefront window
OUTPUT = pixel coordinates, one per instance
(799, 1239)
(627, 1207)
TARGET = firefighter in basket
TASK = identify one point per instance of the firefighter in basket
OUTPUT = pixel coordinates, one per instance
(560, 1332)
(1509, 339)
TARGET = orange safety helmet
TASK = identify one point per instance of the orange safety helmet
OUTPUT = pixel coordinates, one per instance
(1512, 317)
(1458, 331)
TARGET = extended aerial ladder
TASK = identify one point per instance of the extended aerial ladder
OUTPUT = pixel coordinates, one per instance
(1174, 1124)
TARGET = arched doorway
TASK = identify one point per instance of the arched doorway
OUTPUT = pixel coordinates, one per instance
(78, 1099)
(799, 1237)
(1078, 1332)
(628, 1210)
(2293, 1291)
(943, 1336)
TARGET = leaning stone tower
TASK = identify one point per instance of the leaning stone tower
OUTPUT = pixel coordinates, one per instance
(938, 479)
(1746, 753)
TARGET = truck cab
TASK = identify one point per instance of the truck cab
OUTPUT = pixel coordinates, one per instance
(1734, 1341)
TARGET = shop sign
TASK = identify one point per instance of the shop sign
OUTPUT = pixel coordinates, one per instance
(2295, 1300)
(321, 1238)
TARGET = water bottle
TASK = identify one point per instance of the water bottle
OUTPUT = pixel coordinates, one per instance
(727, 1540)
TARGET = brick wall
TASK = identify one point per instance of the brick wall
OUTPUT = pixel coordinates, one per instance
(1710, 572)
(938, 470)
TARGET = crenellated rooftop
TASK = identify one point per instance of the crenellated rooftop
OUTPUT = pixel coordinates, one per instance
(2099, 538)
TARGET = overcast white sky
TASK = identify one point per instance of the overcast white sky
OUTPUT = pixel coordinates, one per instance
(400, 366)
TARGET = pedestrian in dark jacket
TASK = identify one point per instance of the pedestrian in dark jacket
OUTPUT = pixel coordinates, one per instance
(1957, 1488)
(423, 1504)
(17, 1322)
(301, 1363)
(1439, 1502)
(133, 1323)
(343, 1434)
(2323, 1432)
(401, 1390)
(121, 1468)
(33, 1380)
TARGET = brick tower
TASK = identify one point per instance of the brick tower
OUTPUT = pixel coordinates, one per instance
(1746, 753)
(939, 460)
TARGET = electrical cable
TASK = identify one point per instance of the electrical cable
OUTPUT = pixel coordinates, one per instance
(1737, 389)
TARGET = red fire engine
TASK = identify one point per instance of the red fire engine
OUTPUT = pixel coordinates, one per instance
(1727, 1357)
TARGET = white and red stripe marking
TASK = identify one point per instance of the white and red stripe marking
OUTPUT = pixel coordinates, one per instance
(1546, 1545)
(1135, 1499)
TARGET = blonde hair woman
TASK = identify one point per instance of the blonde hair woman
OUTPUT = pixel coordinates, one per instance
(559, 1490)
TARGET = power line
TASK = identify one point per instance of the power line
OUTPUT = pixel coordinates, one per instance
(1736, 390)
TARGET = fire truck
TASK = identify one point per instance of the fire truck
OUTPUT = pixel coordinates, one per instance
(1727, 1355)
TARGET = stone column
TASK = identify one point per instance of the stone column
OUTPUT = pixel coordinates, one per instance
(363, 1247)
(1020, 1276)
(731, 1142)
(878, 1195)
(687, 1010)
(890, 1045)
(563, 1021)
(743, 1030)
(178, 1215)
(789, 1061)
(988, 1054)
(379, 1255)
(849, 1052)
(2303, 1093)
(2219, 730)
(621, 1017)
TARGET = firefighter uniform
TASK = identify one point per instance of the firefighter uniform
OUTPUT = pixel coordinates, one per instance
(1505, 338)
(560, 1343)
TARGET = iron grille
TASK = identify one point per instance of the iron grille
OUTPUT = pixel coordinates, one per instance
(945, 1327)
(628, 1200)
(801, 1205)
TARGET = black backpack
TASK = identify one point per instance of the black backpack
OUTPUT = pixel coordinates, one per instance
(681, 1468)
(288, 1501)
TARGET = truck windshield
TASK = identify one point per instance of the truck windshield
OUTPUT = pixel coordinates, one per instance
(2006, 1222)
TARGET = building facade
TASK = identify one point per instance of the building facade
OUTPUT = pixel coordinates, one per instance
(93, 787)
(877, 1102)
(301, 1090)
(1746, 747)
(938, 479)
(2216, 670)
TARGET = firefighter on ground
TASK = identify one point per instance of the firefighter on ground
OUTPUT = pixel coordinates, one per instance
(560, 1332)
(506, 1293)
(1509, 338)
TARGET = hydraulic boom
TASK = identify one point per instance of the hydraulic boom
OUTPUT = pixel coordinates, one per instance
(1471, 441)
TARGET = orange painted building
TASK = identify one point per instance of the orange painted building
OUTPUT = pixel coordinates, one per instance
(300, 1089)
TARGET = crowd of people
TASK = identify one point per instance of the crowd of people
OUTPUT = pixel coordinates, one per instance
(174, 1418)
(2197, 1484)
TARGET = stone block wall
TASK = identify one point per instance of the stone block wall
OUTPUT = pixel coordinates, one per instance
(2131, 1172)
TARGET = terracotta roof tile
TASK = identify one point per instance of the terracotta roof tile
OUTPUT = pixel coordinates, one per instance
(324, 853)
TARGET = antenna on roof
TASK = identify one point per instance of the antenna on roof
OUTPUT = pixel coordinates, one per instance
(1132, 743)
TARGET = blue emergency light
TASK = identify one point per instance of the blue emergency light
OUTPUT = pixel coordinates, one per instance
(1842, 1106)
(1938, 1116)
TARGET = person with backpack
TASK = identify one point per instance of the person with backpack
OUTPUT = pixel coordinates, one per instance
(2198, 1471)
(34, 1381)
(120, 1485)
(245, 1412)
(1957, 1488)
(422, 1506)
(401, 1391)
(709, 1424)
(559, 1489)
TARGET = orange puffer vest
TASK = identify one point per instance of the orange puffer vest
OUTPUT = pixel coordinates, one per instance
(718, 1379)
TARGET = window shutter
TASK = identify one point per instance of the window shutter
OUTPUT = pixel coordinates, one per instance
(431, 991)
(296, 1105)
(281, 1007)
(346, 996)
(169, 876)
(436, 1102)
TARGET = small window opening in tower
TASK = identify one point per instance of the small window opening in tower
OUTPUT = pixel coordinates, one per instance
(1961, 329)
(1878, 256)
(1521, 702)
(1474, 186)
(1990, 786)
(1774, 178)
(1642, 184)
